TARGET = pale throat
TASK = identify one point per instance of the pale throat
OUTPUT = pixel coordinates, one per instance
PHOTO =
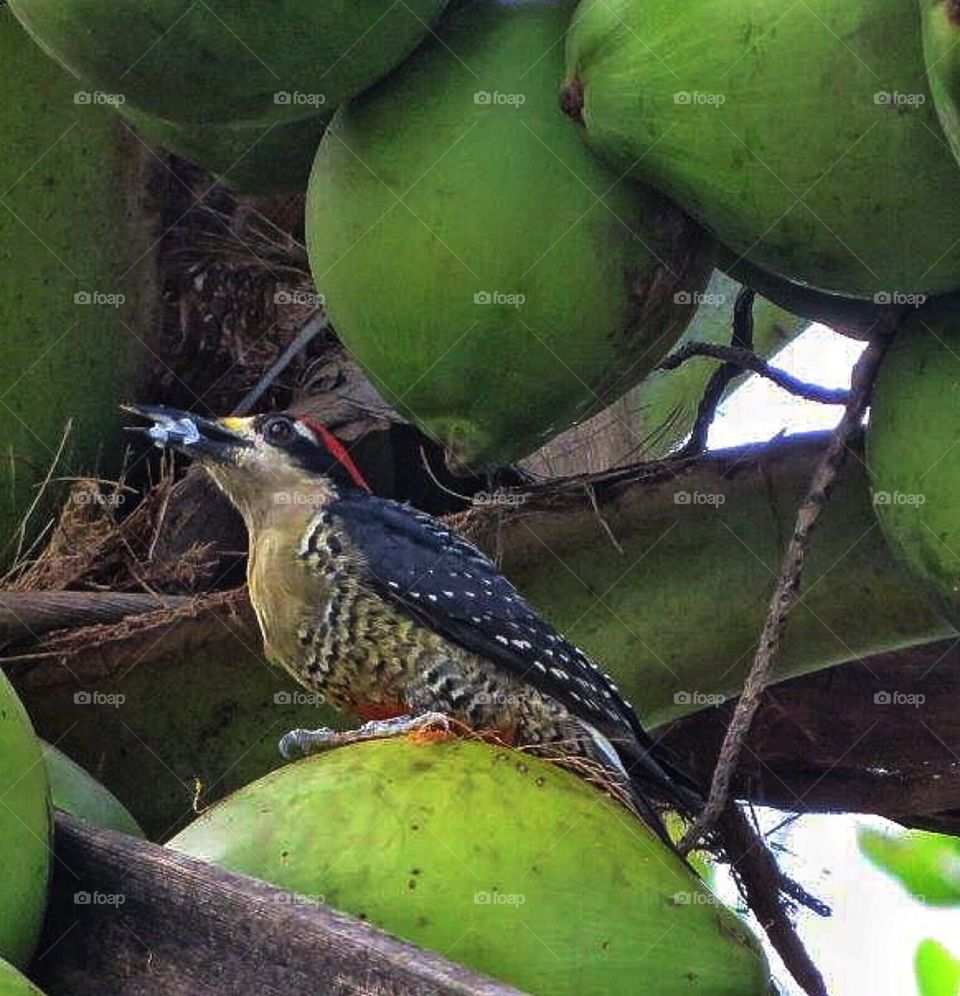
(273, 495)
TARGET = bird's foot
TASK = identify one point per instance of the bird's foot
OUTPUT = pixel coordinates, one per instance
(432, 732)
(426, 726)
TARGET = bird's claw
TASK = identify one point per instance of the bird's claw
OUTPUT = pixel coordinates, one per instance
(302, 743)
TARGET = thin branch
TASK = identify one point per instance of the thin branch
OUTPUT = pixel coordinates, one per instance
(427, 466)
(303, 338)
(746, 359)
(742, 341)
(21, 532)
(604, 525)
(754, 866)
(788, 585)
(761, 882)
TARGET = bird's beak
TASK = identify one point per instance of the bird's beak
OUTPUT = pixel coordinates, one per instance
(212, 440)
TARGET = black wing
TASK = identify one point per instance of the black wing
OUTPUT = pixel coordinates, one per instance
(449, 586)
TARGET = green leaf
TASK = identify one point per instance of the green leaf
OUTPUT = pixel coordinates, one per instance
(938, 972)
(927, 865)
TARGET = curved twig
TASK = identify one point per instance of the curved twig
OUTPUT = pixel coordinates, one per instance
(720, 379)
(746, 359)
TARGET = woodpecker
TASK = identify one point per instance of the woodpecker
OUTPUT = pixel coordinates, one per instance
(395, 618)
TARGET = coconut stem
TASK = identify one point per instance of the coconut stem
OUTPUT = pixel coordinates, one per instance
(571, 99)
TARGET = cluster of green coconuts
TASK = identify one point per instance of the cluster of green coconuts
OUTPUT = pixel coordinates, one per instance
(455, 846)
(33, 777)
(513, 209)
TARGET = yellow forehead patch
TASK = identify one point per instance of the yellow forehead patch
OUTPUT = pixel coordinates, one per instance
(234, 423)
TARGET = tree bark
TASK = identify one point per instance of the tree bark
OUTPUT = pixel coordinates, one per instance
(878, 735)
(134, 919)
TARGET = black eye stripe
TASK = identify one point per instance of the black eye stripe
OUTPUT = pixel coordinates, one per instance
(300, 445)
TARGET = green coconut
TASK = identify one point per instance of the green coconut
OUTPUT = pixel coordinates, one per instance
(12, 983)
(25, 830)
(227, 60)
(803, 136)
(855, 317)
(250, 158)
(77, 792)
(494, 279)
(499, 861)
(78, 282)
(913, 457)
(941, 32)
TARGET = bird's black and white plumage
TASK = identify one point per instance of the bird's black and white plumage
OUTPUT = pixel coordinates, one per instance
(447, 585)
(386, 612)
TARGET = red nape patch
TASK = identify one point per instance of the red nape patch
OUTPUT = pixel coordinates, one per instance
(368, 711)
(338, 452)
